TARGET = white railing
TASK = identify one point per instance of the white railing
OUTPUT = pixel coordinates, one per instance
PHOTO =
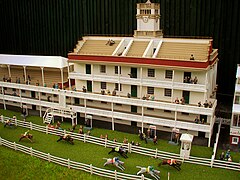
(137, 81)
(69, 163)
(131, 148)
(98, 97)
(216, 143)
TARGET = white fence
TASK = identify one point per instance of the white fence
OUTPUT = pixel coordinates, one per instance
(131, 148)
(70, 164)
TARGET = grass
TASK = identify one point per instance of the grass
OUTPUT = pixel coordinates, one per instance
(93, 154)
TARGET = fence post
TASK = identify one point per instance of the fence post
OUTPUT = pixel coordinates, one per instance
(105, 142)
(49, 157)
(46, 129)
(15, 147)
(168, 175)
(156, 153)
(2, 118)
(115, 174)
(91, 171)
(0, 141)
(31, 125)
(69, 164)
(84, 138)
(142, 177)
(212, 159)
(31, 152)
(15, 121)
(129, 147)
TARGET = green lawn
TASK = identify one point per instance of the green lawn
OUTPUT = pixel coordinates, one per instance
(92, 154)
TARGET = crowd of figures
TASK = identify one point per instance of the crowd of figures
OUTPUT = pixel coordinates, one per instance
(226, 156)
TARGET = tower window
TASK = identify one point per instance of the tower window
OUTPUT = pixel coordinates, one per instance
(150, 90)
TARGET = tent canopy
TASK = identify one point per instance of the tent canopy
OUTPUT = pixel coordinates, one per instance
(36, 61)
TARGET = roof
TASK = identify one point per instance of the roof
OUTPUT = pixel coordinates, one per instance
(157, 48)
(186, 137)
(36, 61)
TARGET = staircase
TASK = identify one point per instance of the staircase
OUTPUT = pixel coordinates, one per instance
(48, 119)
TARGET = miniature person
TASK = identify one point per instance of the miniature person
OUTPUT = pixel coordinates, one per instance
(182, 101)
(26, 133)
(195, 80)
(191, 57)
(199, 104)
(106, 136)
(80, 131)
(37, 83)
(8, 122)
(222, 156)
(176, 100)
(103, 92)
(114, 93)
(84, 89)
(101, 136)
(155, 140)
(128, 95)
(227, 154)
(196, 120)
(206, 104)
(145, 138)
(210, 104)
(148, 133)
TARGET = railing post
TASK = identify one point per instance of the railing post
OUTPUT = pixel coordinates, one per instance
(46, 129)
(115, 174)
(129, 147)
(105, 142)
(2, 118)
(212, 160)
(31, 125)
(91, 171)
(84, 138)
(69, 165)
(142, 177)
(15, 147)
(0, 141)
(31, 151)
(156, 153)
(49, 157)
(15, 121)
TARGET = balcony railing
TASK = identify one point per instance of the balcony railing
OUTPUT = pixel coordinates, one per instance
(144, 82)
(105, 98)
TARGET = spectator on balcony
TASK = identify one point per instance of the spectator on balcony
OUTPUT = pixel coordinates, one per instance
(45, 85)
(37, 83)
(114, 140)
(191, 57)
(210, 105)
(4, 78)
(144, 97)
(222, 156)
(84, 89)
(128, 95)
(199, 104)
(205, 104)
(114, 93)
(152, 97)
(9, 79)
(110, 42)
(182, 101)
(103, 92)
(195, 80)
(125, 140)
(108, 92)
(196, 120)
(176, 100)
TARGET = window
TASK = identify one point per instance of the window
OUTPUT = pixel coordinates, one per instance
(168, 111)
(168, 74)
(151, 72)
(150, 90)
(168, 92)
(103, 85)
(116, 70)
(236, 120)
(237, 100)
(88, 68)
(116, 87)
(102, 69)
(235, 140)
(151, 109)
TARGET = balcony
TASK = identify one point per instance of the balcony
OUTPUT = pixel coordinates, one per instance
(97, 97)
(138, 82)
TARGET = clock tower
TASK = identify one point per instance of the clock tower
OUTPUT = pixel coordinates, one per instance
(148, 20)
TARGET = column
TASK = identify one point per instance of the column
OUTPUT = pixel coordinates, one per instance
(142, 117)
(43, 80)
(92, 76)
(119, 81)
(61, 69)
(25, 74)
(112, 117)
(172, 98)
(40, 107)
(175, 118)
(9, 71)
(141, 82)
(69, 80)
(4, 103)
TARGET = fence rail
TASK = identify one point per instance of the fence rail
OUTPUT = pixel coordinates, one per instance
(131, 148)
(70, 164)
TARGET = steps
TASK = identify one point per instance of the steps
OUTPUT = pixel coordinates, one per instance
(48, 119)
